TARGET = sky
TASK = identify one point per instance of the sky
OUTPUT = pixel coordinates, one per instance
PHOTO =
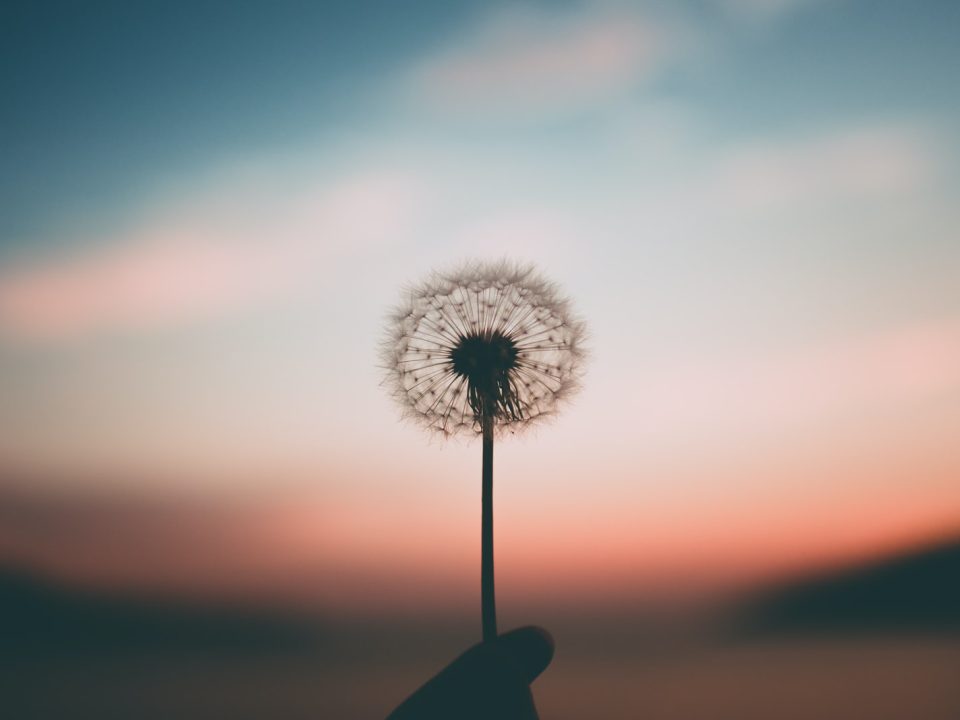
(208, 210)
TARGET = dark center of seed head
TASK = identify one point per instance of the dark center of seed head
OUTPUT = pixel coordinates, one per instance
(484, 359)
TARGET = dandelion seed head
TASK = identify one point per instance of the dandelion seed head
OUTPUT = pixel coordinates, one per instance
(485, 340)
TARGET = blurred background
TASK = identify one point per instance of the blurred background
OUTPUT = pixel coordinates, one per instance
(208, 505)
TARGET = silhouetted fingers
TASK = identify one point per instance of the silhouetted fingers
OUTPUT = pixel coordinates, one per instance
(530, 648)
(490, 680)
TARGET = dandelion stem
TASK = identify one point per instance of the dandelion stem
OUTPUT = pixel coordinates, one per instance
(487, 597)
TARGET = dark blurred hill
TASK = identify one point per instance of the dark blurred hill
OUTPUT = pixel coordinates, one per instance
(43, 618)
(910, 592)
(917, 591)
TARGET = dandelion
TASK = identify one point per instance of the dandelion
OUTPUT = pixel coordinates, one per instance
(487, 348)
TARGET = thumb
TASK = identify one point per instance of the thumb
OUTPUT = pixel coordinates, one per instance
(529, 648)
(490, 680)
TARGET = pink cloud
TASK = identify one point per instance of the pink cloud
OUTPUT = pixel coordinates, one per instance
(523, 61)
(153, 280)
(862, 164)
(209, 262)
(811, 384)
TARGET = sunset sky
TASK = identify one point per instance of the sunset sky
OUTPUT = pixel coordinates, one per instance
(208, 210)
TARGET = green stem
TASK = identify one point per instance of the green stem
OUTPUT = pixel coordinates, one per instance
(487, 598)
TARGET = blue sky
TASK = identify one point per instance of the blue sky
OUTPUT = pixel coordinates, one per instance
(107, 104)
(106, 101)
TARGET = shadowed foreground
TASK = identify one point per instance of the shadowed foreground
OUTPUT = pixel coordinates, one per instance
(880, 678)
(888, 650)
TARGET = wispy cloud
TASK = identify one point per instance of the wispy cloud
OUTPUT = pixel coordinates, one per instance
(765, 9)
(148, 541)
(227, 253)
(527, 61)
(835, 182)
(865, 163)
(817, 383)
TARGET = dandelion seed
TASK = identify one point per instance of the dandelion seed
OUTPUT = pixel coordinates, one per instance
(486, 348)
(500, 329)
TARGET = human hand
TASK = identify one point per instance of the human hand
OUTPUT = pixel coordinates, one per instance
(489, 681)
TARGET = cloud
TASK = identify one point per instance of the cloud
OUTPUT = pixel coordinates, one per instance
(288, 545)
(867, 163)
(764, 9)
(182, 544)
(789, 187)
(526, 61)
(225, 252)
(810, 384)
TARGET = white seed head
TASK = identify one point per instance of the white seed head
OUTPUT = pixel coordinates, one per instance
(487, 339)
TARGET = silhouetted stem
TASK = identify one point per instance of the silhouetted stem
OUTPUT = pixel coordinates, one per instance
(487, 598)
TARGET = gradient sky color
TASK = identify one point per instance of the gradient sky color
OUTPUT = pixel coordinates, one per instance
(209, 208)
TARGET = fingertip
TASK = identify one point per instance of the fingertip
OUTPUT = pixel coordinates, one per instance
(530, 647)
